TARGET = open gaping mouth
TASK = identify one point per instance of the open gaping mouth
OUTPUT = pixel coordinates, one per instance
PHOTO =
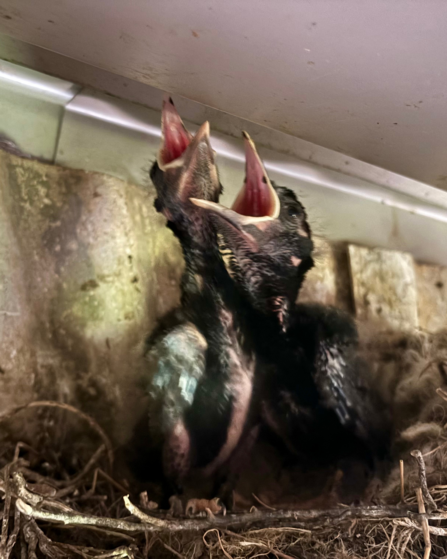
(174, 136)
(188, 160)
(257, 201)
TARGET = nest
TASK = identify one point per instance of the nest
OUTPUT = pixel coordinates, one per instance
(64, 496)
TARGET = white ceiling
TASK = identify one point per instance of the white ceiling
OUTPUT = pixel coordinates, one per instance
(367, 78)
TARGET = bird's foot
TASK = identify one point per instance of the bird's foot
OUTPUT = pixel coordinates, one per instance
(176, 506)
(227, 499)
(224, 488)
(145, 503)
(209, 507)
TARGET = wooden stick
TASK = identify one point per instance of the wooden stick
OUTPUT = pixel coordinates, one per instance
(112, 481)
(390, 545)
(431, 505)
(143, 516)
(402, 481)
(424, 523)
(169, 548)
(408, 523)
(262, 503)
(291, 518)
(5, 522)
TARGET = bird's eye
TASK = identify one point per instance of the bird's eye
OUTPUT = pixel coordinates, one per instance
(292, 212)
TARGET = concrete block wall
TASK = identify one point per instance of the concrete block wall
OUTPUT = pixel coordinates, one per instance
(87, 267)
(383, 286)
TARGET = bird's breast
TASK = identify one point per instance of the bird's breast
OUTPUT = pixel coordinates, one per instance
(239, 386)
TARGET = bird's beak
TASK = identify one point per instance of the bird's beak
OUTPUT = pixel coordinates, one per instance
(174, 137)
(257, 203)
(257, 198)
(199, 175)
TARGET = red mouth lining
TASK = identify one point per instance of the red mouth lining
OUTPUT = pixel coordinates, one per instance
(175, 136)
(255, 198)
(256, 201)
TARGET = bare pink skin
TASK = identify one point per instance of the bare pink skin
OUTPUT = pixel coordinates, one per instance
(177, 452)
(242, 387)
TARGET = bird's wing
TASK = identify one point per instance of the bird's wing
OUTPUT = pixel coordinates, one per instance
(176, 363)
(338, 383)
(342, 378)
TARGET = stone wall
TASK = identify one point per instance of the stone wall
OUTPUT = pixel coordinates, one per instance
(87, 267)
(378, 285)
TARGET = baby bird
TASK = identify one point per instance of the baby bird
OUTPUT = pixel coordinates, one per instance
(316, 388)
(202, 369)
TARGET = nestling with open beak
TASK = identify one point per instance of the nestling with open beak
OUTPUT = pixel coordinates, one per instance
(316, 387)
(202, 368)
(264, 241)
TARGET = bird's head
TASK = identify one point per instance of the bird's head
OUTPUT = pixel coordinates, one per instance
(184, 168)
(264, 239)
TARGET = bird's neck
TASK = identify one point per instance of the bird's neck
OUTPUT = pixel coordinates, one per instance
(210, 299)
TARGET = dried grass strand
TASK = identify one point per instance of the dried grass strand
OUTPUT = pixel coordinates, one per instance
(262, 503)
(51, 404)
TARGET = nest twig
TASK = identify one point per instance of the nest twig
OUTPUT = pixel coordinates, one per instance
(71, 516)
(50, 404)
(417, 455)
